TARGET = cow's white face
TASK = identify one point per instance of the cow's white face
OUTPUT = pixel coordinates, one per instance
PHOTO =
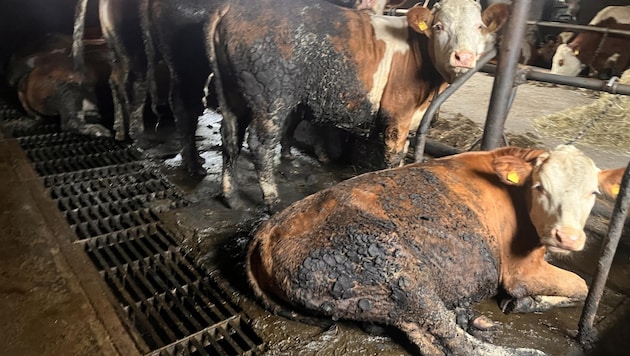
(564, 186)
(458, 33)
(565, 62)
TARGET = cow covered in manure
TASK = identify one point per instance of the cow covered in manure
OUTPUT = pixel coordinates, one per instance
(409, 246)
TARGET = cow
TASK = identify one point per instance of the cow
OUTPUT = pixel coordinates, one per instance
(604, 54)
(376, 7)
(120, 26)
(413, 246)
(358, 71)
(174, 32)
(47, 84)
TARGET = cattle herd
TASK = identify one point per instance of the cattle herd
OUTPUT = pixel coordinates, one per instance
(407, 246)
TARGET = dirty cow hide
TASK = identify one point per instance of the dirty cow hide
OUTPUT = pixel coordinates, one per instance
(48, 85)
(405, 247)
(360, 72)
(174, 32)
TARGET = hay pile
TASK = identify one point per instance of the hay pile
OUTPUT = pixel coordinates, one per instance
(461, 132)
(604, 124)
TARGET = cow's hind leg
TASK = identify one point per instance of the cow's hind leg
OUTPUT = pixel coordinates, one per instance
(231, 145)
(429, 313)
(120, 113)
(264, 136)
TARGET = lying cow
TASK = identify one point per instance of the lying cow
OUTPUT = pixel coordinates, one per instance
(48, 85)
(602, 53)
(343, 67)
(406, 246)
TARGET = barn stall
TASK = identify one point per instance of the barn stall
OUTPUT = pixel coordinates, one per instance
(113, 249)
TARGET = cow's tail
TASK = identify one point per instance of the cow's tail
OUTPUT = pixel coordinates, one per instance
(215, 75)
(78, 45)
(261, 283)
(146, 19)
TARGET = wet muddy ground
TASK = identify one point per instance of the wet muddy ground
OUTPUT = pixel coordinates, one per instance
(222, 233)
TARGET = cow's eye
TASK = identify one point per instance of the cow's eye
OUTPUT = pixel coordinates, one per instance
(438, 27)
(480, 27)
(539, 188)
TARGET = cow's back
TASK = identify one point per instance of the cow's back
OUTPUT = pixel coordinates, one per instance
(382, 231)
(304, 54)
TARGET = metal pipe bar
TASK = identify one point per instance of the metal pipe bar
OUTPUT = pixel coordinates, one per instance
(580, 27)
(504, 80)
(436, 102)
(586, 332)
(608, 86)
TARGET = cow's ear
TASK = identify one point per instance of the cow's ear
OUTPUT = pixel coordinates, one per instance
(512, 170)
(419, 19)
(610, 181)
(494, 17)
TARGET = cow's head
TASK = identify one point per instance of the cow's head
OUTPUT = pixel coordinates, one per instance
(458, 32)
(565, 61)
(563, 183)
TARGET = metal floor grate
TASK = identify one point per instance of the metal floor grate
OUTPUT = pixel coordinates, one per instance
(110, 196)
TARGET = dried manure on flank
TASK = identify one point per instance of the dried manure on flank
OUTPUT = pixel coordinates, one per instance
(604, 124)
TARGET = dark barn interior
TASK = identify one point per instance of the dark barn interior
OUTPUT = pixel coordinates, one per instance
(112, 247)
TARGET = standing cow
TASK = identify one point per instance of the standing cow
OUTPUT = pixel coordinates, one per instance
(602, 53)
(174, 31)
(406, 246)
(342, 67)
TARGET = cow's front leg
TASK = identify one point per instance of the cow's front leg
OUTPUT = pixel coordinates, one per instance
(395, 141)
(543, 288)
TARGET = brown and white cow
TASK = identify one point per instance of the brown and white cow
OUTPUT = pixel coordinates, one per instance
(407, 246)
(358, 71)
(600, 52)
(47, 84)
(174, 32)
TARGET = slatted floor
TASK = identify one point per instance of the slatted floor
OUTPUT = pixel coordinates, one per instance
(111, 197)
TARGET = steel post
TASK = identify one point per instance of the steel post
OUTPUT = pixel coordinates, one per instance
(509, 53)
(586, 332)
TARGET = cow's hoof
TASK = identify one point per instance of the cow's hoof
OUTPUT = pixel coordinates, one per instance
(527, 352)
(287, 156)
(196, 169)
(233, 201)
(483, 323)
(518, 305)
(96, 130)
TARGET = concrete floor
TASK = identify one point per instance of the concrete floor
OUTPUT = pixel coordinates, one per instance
(52, 300)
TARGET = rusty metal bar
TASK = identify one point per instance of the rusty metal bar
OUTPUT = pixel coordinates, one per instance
(506, 72)
(425, 123)
(580, 27)
(609, 86)
(586, 331)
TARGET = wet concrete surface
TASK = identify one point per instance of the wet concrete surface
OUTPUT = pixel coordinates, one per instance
(44, 306)
(222, 234)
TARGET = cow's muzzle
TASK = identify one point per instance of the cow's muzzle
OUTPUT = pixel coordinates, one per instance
(463, 59)
(567, 239)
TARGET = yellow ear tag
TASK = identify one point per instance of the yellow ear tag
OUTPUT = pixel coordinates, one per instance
(513, 177)
(615, 189)
(576, 53)
(422, 26)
